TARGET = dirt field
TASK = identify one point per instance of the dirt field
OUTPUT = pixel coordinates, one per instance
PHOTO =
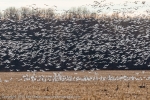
(129, 85)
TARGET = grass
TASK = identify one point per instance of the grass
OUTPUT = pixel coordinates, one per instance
(78, 90)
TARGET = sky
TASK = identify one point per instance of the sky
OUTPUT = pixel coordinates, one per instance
(66, 4)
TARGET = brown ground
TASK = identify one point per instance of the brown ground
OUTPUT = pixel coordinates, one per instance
(77, 90)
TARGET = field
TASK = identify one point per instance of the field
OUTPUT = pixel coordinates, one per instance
(129, 85)
(77, 55)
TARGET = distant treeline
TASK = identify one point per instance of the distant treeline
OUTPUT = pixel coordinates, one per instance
(23, 12)
(48, 13)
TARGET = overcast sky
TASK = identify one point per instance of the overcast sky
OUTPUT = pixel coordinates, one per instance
(61, 4)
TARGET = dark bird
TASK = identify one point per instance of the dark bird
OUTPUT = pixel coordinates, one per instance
(143, 2)
(117, 88)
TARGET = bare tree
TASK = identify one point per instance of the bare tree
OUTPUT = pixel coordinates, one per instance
(11, 13)
(79, 12)
(1, 15)
(25, 12)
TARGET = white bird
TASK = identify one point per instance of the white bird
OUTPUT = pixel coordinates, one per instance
(75, 69)
(6, 80)
(89, 72)
(17, 70)
(146, 36)
(11, 78)
(46, 69)
(126, 68)
(28, 70)
(11, 70)
(0, 80)
(58, 67)
(143, 72)
(137, 73)
(42, 70)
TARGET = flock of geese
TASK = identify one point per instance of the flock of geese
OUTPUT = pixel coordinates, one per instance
(74, 44)
(55, 77)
